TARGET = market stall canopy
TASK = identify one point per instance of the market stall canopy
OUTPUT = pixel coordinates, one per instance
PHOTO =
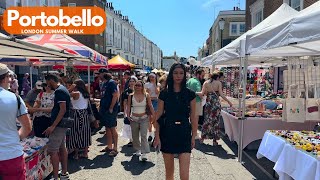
(230, 54)
(81, 67)
(119, 63)
(65, 43)
(298, 36)
(155, 70)
(14, 51)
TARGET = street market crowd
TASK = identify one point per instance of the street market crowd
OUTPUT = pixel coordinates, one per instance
(160, 110)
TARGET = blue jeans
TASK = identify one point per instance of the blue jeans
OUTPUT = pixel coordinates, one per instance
(155, 104)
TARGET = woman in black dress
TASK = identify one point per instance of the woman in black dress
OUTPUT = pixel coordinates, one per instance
(177, 126)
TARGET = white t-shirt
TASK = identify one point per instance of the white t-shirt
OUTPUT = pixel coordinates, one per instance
(10, 146)
(152, 89)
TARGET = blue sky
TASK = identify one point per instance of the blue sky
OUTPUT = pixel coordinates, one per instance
(175, 25)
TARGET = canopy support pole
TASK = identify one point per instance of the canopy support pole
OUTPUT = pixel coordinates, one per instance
(244, 68)
(89, 77)
(31, 83)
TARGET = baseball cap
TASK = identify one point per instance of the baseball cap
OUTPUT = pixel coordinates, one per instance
(103, 70)
(39, 85)
(3, 69)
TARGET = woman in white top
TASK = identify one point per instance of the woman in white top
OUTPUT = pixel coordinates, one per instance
(42, 111)
(80, 134)
(139, 102)
(153, 88)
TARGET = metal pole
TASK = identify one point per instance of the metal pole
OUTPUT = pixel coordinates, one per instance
(221, 39)
(30, 77)
(89, 77)
(244, 67)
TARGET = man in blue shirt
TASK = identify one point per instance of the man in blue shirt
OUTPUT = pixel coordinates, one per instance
(109, 112)
(57, 135)
(12, 165)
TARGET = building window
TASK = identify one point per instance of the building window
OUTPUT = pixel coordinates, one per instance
(132, 60)
(96, 47)
(101, 49)
(258, 17)
(256, 10)
(242, 28)
(110, 39)
(234, 29)
(127, 57)
(72, 4)
(115, 27)
(237, 28)
(296, 4)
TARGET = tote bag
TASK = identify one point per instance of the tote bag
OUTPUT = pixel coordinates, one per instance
(312, 103)
(295, 106)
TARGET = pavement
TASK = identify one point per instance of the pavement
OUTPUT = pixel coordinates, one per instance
(207, 163)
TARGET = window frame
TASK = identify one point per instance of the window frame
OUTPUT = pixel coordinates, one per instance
(72, 4)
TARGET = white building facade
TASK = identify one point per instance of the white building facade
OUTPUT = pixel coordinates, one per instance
(124, 39)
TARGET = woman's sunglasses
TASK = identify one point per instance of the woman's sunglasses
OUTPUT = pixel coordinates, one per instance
(138, 85)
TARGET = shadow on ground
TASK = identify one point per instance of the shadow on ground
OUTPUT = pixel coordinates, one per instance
(214, 151)
(135, 166)
(100, 161)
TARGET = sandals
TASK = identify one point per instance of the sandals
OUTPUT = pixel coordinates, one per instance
(113, 153)
(106, 150)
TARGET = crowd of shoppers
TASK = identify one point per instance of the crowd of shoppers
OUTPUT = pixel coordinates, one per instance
(163, 109)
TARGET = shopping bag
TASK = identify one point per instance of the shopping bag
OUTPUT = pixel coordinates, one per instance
(312, 103)
(295, 106)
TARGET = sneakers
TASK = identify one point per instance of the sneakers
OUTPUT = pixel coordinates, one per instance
(138, 153)
(143, 158)
(64, 176)
(129, 144)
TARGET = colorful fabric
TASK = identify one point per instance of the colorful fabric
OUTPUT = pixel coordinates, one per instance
(212, 115)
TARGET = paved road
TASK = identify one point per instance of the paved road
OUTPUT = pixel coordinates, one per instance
(207, 163)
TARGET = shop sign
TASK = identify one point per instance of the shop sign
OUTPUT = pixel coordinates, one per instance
(54, 20)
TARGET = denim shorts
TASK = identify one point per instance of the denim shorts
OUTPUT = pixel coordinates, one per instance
(110, 119)
(155, 104)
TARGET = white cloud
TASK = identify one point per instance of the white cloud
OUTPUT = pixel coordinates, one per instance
(209, 3)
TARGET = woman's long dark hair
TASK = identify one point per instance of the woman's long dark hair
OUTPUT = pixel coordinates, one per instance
(169, 82)
(155, 76)
(81, 87)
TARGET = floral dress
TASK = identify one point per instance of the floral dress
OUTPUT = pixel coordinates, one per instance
(212, 116)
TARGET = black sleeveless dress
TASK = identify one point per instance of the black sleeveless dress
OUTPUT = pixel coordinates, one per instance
(175, 128)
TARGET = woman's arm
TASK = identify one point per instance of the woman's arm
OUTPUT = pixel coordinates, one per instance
(149, 103)
(125, 103)
(75, 95)
(158, 115)
(222, 95)
(128, 109)
(157, 89)
(194, 122)
(204, 88)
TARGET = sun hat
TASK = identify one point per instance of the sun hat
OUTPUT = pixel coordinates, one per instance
(3, 69)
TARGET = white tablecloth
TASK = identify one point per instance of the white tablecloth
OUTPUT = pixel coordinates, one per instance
(290, 162)
(254, 128)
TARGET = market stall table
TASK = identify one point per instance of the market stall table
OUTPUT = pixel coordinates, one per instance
(254, 127)
(290, 162)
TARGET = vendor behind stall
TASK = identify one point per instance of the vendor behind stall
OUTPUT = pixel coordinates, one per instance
(32, 95)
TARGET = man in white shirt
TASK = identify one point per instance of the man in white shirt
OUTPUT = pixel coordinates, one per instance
(12, 165)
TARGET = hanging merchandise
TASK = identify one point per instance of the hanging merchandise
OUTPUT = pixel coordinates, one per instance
(295, 106)
(312, 97)
(231, 81)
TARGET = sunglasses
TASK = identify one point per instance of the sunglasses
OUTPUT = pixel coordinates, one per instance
(138, 85)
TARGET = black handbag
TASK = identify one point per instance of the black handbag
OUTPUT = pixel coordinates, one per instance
(67, 122)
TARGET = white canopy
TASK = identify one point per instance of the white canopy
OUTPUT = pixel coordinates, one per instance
(298, 36)
(230, 54)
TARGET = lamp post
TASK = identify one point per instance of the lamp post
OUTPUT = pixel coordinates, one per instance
(221, 27)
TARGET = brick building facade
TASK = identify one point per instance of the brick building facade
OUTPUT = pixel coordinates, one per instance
(263, 8)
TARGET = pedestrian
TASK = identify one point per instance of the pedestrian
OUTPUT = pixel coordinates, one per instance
(212, 112)
(80, 133)
(14, 85)
(101, 73)
(12, 164)
(109, 113)
(153, 88)
(26, 84)
(195, 85)
(57, 135)
(126, 130)
(177, 129)
(31, 97)
(162, 81)
(139, 103)
(42, 111)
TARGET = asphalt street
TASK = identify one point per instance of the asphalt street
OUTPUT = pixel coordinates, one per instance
(207, 163)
